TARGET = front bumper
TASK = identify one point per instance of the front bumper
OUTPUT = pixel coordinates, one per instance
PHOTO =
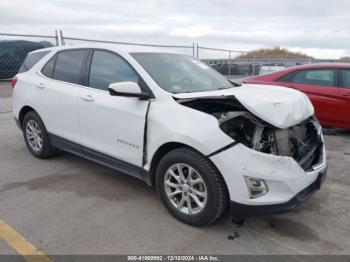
(240, 211)
(287, 182)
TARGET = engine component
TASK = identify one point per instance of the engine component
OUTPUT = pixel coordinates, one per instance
(302, 142)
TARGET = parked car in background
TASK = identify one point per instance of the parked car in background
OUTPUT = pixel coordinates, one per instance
(173, 122)
(267, 68)
(13, 53)
(327, 86)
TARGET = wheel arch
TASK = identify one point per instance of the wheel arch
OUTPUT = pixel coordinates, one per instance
(24, 110)
(166, 148)
(158, 155)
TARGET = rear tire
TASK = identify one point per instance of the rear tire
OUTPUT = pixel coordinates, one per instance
(36, 137)
(191, 188)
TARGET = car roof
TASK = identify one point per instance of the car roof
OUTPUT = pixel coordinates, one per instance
(321, 65)
(114, 47)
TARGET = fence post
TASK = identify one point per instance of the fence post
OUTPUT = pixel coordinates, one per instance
(193, 50)
(56, 38)
(197, 51)
(62, 39)
(229, 65)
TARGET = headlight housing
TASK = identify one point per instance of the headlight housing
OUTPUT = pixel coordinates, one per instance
(238, 125)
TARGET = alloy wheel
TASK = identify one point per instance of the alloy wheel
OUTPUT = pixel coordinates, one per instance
(34, 135)
(185, 188)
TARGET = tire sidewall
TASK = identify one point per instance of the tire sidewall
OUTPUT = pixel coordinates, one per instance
(206, 215)
(46, 146)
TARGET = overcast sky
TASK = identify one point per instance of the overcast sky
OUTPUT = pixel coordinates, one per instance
(320, 28)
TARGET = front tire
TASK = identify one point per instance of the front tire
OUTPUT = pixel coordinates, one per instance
(36, 137)
(191, 188)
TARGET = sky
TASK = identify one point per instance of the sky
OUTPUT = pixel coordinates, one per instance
(320, 28)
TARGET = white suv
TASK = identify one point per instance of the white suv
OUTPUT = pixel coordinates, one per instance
(170, 120)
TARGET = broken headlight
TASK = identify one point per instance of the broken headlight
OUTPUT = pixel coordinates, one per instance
(238, 125)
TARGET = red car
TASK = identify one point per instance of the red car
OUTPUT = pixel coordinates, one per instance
(327, 86)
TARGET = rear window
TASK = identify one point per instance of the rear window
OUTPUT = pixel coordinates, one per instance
(31, 60)
(69, 65)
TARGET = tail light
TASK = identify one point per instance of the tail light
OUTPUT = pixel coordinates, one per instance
(13, 81)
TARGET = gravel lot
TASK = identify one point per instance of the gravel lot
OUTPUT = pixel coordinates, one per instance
(68, 205)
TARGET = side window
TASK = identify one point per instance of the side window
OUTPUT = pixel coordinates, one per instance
(107, 68)
(48, 68)
(321, 77)
(31, 60)
(68, 65)
(287, 78)
(345, 76)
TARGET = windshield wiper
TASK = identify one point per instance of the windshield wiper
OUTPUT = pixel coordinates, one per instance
(234, 83)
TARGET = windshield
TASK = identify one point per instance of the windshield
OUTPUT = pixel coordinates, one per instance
(178, 73)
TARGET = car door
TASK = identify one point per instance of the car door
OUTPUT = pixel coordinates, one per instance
(112, 127)
(320, 85)
(57, 93)
(344, 98)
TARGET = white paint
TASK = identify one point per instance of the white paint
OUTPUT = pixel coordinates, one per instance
(126, 87)
(108, 123)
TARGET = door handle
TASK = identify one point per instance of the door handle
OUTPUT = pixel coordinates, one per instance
(88, 98)
(40, 85)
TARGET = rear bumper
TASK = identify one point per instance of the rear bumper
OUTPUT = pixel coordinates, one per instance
(240, 211)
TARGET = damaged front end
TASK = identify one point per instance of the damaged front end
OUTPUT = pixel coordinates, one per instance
(302, 142)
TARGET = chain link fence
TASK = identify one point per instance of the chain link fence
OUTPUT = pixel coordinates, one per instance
(186, 49)
(232, 63)
(223, 61)
(15, 47)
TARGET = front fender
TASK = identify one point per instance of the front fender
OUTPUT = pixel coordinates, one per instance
(171, 122)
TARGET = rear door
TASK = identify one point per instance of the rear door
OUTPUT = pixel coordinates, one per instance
(344, 98)
(57, 93)
(321, 87)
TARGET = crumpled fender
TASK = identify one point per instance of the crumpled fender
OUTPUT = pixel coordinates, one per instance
(172, 122)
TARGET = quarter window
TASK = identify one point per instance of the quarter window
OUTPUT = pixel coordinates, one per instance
(345, 76)
(31, 60)
(48, 68)
(320, 77)
(286, 78)
(107, 68)
(69, 65)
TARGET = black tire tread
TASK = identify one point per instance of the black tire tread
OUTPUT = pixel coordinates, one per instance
(219, 183)
(217, 178)
(48, 150)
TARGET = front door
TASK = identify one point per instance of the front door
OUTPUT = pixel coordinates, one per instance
(111, 125)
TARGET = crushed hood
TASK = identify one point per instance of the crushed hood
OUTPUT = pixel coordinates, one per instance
(279, 106)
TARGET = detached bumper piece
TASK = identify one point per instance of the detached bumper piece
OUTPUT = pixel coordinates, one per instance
(240, 212)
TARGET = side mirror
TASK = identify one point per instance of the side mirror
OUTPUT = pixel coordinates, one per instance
(127, 89)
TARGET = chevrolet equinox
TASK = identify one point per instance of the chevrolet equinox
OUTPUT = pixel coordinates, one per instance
(207, 144)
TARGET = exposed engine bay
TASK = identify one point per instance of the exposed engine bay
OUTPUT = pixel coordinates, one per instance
(301, 142)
